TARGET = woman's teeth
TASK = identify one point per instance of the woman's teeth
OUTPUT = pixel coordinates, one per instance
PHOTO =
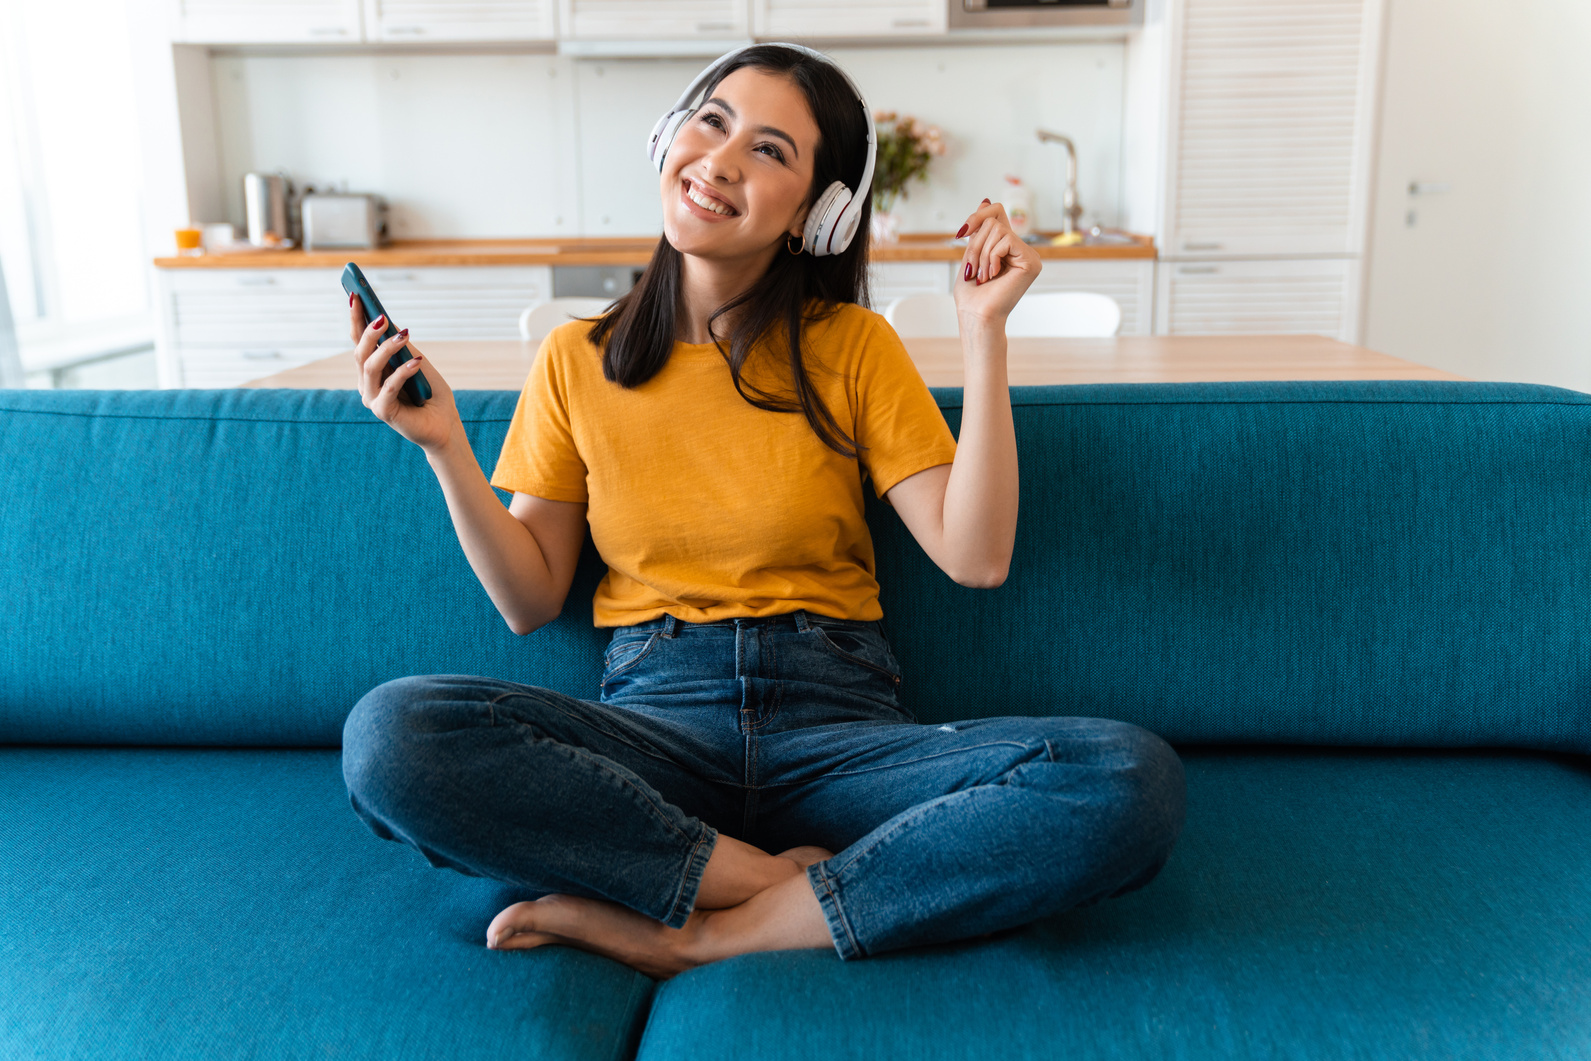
(704, 202)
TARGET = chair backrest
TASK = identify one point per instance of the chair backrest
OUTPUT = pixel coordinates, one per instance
(923, 317)
(543, 317)
(1064, 315)
(1049, 314)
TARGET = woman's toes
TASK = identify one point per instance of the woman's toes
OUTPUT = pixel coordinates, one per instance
(515, 928)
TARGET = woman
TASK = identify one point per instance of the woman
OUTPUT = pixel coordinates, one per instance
(748, 779)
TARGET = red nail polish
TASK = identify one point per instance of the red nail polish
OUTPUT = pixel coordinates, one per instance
(350, 298)
(963, 232)
(986, 202)
(379, 321)
(966, 274)
(403, 334)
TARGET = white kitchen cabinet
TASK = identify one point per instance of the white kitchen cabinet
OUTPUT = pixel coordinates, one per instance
(645, 19)
(266, 21)
(460, 20)
(1315, 296)
(888, 281)
(223, 327)
(836, 19)
(1271, 109)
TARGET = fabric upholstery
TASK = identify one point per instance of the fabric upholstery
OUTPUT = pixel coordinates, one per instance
(179, 904)
(1351, 563)
(1373, 904)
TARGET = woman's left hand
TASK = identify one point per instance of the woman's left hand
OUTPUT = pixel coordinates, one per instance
(996, 269)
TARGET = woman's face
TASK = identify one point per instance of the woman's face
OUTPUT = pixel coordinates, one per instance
(747, 155)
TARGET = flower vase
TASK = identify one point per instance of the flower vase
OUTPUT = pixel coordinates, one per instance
(884, 228)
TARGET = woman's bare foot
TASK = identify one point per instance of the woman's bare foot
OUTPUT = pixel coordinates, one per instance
(783, 916)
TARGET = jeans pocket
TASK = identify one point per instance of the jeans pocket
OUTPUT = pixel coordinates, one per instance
(625, 651)
(859, 643)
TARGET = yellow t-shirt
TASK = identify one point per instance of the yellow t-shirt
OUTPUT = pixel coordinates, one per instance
(707, 507)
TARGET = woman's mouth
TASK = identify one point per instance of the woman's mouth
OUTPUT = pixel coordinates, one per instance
(706, 203)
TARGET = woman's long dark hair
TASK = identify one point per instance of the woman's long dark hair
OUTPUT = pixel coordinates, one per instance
(798, 289)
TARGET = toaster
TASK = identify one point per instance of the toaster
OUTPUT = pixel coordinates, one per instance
(343, 220)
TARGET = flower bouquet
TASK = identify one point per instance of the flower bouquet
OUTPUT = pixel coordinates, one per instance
(905, 147)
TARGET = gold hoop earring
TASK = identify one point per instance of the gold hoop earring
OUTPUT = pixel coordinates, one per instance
(795, 250)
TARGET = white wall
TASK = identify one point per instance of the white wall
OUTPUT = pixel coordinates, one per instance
(1493, 278)
(500, 145)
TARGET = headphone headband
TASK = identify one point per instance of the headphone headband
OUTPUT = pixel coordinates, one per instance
(832, 221)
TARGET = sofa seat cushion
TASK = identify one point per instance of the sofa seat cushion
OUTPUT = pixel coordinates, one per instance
(226, 903)
(1320, 903)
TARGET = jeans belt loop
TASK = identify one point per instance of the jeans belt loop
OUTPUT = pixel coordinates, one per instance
(802, 624)
(670, 624)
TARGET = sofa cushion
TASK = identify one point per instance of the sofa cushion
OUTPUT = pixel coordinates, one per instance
(187, 904)
(1353, 563)
(1378, 905)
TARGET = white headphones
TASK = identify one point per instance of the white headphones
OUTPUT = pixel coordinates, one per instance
(831, 223)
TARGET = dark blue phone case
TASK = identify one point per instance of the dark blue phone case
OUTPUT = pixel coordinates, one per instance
(416, 391)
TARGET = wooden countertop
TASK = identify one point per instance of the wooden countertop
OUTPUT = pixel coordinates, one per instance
(503, 365)
(916, 247)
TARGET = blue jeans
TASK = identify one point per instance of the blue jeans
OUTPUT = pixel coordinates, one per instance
(780, 731)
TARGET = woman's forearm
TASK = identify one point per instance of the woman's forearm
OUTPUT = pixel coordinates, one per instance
(980, 506)
(501, 550)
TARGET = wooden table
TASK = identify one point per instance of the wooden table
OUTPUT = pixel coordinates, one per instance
(504, 364)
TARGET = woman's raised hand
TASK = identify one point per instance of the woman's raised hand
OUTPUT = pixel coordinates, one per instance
(429, 426)
(996, 268)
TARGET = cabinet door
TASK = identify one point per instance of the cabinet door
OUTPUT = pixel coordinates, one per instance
(267, 21)
(639, 19)
(834, 19)
(460, 302)
(1271, 112)
(459, 20)
(1310, 297)
(888, 281)
(1130, 283)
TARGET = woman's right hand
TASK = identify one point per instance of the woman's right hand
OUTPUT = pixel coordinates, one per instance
(430, 426)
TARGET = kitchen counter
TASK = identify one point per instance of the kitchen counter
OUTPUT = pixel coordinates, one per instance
(917, 247)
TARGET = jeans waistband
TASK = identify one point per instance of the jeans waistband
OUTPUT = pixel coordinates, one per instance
(800, 620)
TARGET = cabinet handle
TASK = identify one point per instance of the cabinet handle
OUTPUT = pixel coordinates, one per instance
(1200, 246)
(255, 281)
(909, 23)
(329, 31)
(405, 29)
(261, 355)
(1191, 270)
(1429, 187)
(709, 27)
(392, 278)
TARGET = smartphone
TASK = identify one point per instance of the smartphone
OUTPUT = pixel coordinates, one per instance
(415, 391)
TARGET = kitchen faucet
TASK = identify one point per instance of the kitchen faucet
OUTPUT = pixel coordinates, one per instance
(1070, 210)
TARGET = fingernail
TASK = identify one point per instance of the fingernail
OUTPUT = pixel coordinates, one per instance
(350, 298)
(379, 321)
(403, 334)
(966, 274)
(419, 357)
(963, 232)
(986, 202)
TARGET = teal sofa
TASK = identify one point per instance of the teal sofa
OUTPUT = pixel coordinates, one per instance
(1361, 611)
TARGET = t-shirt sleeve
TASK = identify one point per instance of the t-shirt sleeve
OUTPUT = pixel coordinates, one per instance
(897, 418)
(539, 455)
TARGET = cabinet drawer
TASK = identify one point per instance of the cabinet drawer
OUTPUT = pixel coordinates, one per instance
(1298, 297)
(891, 280)
(231, 366)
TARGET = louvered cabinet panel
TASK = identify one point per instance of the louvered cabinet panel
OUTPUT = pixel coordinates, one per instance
(1308, 297)
(267, 21)
(1273, 105)
(459, 20)
(461, 302)
(637, 19)
(847, 18)
(1130, 283)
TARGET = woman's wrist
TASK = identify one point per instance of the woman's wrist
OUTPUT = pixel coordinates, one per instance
(981, 336)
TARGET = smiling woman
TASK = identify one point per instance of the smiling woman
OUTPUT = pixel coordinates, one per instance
(749, 777)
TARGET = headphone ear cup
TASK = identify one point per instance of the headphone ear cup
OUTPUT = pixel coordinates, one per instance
(823, 217)
(663, 135)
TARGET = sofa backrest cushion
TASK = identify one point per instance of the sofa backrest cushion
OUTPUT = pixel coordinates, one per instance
(1354, 563)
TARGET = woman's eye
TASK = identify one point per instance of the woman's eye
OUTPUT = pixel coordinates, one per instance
(774, 152)
(713, 120)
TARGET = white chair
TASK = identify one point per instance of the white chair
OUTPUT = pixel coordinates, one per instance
(923, 317)
(1049, 314)
(1064, 315)
(543, 317)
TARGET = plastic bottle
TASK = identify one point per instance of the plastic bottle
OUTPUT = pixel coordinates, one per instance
(1019, 206)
